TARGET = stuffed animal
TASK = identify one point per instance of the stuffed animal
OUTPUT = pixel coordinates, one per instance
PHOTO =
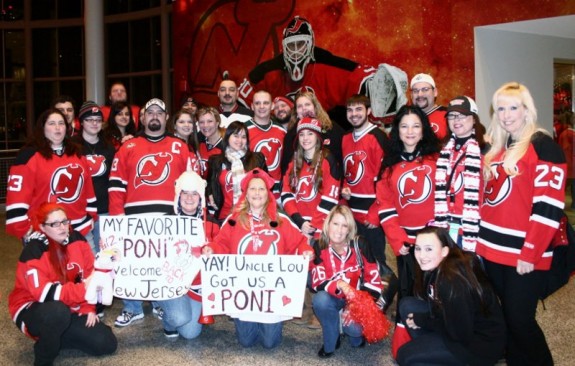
(101, 286)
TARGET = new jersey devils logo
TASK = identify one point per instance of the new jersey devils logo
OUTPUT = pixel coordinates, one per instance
(305, 190)
(67, 183)
(499, 186)
(229, 182)
(457, 183)
(415, 186)
(434, 127)
(74, 272)
(354, 167)
(97, 165)
(267, 243)
(271, 149)
(153, 169)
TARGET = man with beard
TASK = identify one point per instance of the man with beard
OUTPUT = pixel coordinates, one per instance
(423, 95)
(363, 149)
(282, 110)
(267, 136)
(230, 110)
(142, 180)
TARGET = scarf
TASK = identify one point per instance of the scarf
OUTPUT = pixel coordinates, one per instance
(446, 167)
(238, 172)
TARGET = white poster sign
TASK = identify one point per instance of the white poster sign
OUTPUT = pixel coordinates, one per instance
(269, 286)
(159, 255)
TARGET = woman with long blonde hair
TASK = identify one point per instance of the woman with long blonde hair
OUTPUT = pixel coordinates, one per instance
(524, 196)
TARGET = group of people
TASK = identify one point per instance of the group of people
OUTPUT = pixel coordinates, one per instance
(469, 213)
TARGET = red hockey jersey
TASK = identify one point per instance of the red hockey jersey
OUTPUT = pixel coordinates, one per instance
(144, 173)
(308, 203)
(406, 199)
(437, 121)
(269, 141)
(521, 214)
(36, 281)
(34, 180)
(324, 276)
(273, 239)
(362, 157)
(204, 153)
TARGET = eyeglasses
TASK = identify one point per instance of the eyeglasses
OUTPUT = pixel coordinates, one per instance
(93, 120)
(423, 90)
(456, 117)
(57, 223)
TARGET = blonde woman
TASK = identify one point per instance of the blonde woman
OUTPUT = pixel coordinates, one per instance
(525, 175)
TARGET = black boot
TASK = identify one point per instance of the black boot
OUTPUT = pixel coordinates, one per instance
(390, 285)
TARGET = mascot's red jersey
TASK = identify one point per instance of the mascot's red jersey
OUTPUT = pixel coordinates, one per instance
(144, 173)
(34, 180)
(406, 199)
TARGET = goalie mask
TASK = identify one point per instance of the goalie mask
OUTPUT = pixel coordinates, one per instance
(298, 45)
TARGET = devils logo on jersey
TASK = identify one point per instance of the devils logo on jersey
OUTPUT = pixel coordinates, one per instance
(153, 169)
(74, 272)
(229, 182)
(498, 187)
(67, 183)
(97, 165)
(354, 167)
(267, 243)
(415, 186)
(305, 189)
(271, 149)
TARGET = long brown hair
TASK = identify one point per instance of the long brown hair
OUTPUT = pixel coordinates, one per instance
(39, 141)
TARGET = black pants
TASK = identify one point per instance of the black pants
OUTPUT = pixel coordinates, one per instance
(519, 295)
(56, 328)
(376, 240)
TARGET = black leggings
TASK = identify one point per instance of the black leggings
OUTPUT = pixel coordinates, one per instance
(55, 327)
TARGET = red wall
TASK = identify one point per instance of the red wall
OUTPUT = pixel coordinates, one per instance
(432, 36)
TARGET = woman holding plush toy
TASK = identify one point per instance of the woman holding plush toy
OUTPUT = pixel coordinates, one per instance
(52, 275)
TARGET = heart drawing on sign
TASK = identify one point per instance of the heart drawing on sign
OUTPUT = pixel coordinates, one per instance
(212, 297)
(286, 300)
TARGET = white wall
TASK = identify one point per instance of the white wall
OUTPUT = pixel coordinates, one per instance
(502, 56)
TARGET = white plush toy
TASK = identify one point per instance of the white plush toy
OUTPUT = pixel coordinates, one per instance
(101, 286)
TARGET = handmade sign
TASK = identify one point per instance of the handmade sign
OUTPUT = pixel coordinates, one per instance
(263, 285)
(160, 255)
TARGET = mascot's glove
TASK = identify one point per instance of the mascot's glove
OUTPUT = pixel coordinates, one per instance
(36, 235)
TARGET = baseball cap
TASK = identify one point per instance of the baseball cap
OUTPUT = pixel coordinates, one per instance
(462, 104)
(422, 78)
(285, 100)
(155, 101)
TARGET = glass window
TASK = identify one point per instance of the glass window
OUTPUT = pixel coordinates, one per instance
(118, 7)
(46, 91)
(58, 52)
(13, 115)
(57, 9)
(118, 47)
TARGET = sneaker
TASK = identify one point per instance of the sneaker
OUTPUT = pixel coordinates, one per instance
(158, 312)
(100, 310)
(171, 333)
(127, 318)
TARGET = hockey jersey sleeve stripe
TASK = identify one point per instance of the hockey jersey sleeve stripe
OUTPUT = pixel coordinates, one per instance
(503, 230)
(495, 234)
(51, 292)
(545, 221)
(385, 215)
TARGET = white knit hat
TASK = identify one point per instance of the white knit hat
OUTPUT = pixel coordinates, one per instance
(189, 181)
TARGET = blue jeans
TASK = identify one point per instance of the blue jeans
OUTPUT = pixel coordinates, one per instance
(133, 306)
(249, 333)
(426, 347)
(326, 307)
(182, 314)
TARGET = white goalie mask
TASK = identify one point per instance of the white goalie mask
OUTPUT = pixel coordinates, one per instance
(298, 45)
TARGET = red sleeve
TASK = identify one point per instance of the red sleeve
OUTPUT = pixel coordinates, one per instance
(388, 216)
(330, 189)
(118, 184)
(287, 196)
(21, 183)
(549, 174)
(221, 243)
(296, 242)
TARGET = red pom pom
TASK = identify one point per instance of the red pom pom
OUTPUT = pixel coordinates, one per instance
(361, 309)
